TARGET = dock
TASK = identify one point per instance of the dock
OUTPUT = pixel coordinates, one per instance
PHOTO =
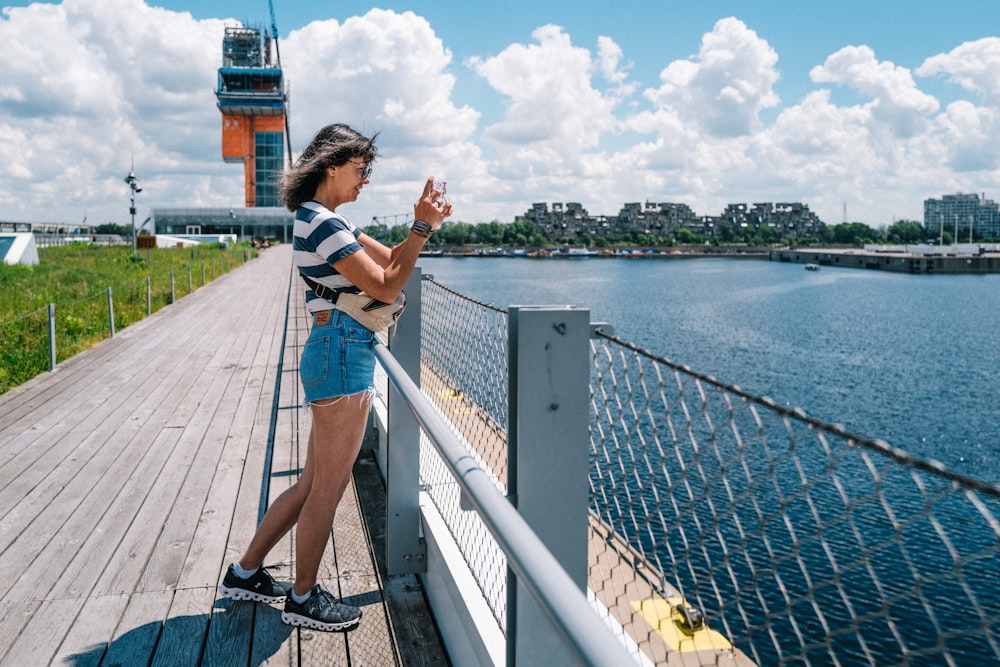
(137, 471)
(967, 259)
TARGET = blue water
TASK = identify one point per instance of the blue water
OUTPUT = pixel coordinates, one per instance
(909, 359)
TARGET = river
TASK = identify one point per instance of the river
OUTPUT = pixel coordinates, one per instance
(910, 359)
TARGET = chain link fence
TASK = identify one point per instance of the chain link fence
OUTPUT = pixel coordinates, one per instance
(729, 530)
(464, 371)
(799, 542)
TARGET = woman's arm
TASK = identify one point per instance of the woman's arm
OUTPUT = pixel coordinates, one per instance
(382, 272)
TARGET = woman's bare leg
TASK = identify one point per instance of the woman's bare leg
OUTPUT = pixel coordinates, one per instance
(281, 515)
(337, 431)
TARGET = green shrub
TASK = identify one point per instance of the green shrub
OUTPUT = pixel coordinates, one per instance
(76, 278)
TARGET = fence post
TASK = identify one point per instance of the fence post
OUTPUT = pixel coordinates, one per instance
(406, 550)
(52, 337)
(173, 298)
(190, 284)
(149, 298)
(203, 274)
(111, 313)
(548, 448)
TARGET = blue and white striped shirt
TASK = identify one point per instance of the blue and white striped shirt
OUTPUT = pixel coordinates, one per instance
(321, 238)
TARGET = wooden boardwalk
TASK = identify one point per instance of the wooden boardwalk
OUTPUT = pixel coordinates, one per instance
(132, 476)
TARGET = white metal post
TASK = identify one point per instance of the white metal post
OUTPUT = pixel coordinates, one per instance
(111, 313)
(548, 440)
(52, 337)
(406, 550)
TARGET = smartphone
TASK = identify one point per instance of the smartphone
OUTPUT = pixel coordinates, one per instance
(442, 187)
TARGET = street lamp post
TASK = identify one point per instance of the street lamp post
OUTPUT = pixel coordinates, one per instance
(134, 187)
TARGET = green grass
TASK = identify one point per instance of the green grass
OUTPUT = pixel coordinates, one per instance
(76, 278)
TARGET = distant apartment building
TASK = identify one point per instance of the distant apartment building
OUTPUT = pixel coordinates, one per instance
(786, 219)
(961, 213)
(656, 219)
(572, 221)
(569, 220)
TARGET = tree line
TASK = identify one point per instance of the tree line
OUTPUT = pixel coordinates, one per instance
(525, 233)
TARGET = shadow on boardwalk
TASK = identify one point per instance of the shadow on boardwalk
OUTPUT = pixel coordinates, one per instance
(229, 618)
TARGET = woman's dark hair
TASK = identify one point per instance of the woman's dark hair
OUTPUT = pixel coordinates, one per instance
(332, 146)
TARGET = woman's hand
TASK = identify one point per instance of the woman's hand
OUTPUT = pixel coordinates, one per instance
(429, 209)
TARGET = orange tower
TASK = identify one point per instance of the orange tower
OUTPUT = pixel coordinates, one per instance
(251, 97)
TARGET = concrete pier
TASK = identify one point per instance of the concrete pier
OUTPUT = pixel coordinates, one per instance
(891, 260)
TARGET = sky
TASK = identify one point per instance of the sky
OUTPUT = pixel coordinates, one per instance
(860, 110)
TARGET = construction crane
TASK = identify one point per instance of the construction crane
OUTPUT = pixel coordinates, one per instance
(383, 224)
(392, 220)
(277, 55)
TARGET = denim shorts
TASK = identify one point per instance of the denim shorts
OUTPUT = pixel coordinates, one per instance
(338, 358)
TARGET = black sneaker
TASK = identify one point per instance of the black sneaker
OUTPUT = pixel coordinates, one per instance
(321, 611)
(261, 587)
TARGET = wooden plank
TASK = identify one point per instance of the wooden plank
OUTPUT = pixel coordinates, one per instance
(101, 474)
(170, 563)
(180, 495)
(87, 640)
(411, 624)
(20, 403)
(249, 425)
(38, 558)
(183, 638)
(37, 642)
(136, 479)
(149, 334)
(31, 490)
(13, 617)
(101, 405)
(273, 641)
(96, 446)
(360, 585)
(52, 401)
(230, 633)
(136, 636)
(85, 543)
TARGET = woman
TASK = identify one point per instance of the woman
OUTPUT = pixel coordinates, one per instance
(337, 365)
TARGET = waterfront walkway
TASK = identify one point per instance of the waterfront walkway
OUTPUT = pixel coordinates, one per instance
(132, 476)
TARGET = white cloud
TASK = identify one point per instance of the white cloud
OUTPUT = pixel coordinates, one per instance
(724, 88)
(385, 72)
(970, 133)
(897, 102)
(550, 92)
(973, 65)
(90, 83)
(381, 71)
(614, 71)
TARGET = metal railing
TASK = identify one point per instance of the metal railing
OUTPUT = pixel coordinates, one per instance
(723, 526)
(553, 591)
(560, 599)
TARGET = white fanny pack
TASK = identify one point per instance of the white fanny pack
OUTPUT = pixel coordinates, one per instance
(374, 315)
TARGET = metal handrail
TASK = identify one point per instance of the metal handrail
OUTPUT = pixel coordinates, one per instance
(563, 603)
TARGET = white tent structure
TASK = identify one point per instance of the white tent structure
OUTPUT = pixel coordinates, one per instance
(18, 248)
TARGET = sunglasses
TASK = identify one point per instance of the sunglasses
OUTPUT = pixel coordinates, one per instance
(365, 167)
